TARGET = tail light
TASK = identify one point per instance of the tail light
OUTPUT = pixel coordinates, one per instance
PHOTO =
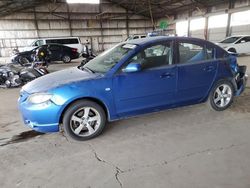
(74, 49)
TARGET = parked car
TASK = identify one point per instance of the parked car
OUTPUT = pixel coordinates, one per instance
(132, 78)
(237, 44)
(132, 37)
(73, 42)
(58, 52)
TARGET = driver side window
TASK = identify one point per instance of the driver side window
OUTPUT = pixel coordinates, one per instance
(38, 43)
(155, 56)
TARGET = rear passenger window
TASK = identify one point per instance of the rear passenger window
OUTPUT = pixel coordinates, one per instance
(243, 40)
(192, 53)
(50, 41)
(69, 41)
(63, 41)
(247, 39)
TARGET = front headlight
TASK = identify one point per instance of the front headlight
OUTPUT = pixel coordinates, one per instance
(39, 98)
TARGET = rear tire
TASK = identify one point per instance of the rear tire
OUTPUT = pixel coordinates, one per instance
(84, 120)
(221, 95)
(66, 59)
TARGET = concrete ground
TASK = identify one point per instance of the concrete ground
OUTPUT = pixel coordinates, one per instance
(189, 147)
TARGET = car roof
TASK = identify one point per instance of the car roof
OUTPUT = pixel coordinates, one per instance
(239, 36)
(148, 40)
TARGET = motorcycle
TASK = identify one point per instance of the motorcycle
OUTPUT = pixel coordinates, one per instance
(15, 76)
(27, 57)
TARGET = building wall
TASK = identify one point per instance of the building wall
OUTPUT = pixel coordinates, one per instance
(80, 20)
(197, 33)
(241, 30)
(217, 34)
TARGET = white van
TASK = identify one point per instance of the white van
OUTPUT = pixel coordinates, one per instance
(73, 42)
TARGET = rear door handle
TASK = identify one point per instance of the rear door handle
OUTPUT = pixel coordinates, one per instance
(167, 75)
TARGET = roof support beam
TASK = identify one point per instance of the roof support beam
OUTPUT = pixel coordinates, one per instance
(231, 6)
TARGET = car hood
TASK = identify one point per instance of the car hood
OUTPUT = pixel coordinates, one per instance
(57, 79)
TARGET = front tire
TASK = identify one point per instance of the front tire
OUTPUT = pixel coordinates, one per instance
(23, 61)
(221, 95)
(84, 120)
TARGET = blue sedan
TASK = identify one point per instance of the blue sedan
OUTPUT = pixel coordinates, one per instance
(132, 78)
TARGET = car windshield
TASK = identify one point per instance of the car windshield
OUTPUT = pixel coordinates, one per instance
(230, 40)
(108, 59)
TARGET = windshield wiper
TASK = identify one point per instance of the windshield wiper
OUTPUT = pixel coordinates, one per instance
(88, 69)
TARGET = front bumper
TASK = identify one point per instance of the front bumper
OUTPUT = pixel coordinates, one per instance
(39, 117)
(43, 128)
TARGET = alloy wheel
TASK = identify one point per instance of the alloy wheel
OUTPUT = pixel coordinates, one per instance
(85, 121)
(66, 59)
(222, 95)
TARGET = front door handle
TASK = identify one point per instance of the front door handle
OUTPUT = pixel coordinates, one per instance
(167, 75)
(209, 68)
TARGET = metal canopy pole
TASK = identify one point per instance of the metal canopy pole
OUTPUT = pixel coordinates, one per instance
(127, 23)
(69, 20)
(231, 6)
(100, 19)
(151, 14)
(36, 24)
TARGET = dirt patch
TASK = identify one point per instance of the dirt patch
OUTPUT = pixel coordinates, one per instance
(242, 103)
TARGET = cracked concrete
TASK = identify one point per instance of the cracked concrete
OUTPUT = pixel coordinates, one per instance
(160, 164)
(117, 169)
(185, 147)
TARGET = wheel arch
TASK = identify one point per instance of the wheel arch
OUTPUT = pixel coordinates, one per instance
(233, 49)
(98, 101)
(231, 80)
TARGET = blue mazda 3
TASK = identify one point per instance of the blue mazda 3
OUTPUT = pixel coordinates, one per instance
(132, 78)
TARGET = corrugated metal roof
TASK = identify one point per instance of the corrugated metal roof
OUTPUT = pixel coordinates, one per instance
(161, 8)
(12, 6)
(158, 8)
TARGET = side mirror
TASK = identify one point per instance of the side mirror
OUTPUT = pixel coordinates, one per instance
(243, 41)
(132, 67)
